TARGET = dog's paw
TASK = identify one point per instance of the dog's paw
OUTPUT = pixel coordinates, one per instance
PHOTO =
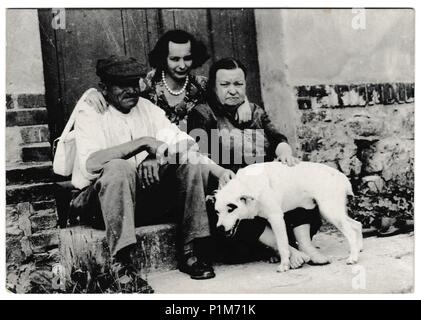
(283, 267)
(352, 260)
(273, 259)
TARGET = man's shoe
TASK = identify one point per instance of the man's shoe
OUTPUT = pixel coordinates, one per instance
(197, 269)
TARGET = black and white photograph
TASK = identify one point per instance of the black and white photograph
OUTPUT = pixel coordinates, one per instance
(209, 150)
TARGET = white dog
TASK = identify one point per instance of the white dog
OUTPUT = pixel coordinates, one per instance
(272, 188)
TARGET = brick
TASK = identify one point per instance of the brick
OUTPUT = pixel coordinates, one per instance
(34, 134)
(26, 117)
(31, 101)
(36, 152)
(44, 241)
(9, 102)
(43, 221)
(25, 173)
(31, 192)
(25, 101)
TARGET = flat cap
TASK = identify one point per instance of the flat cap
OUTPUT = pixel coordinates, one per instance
(120, 69)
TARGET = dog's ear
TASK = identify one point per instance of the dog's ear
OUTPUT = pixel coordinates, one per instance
(246, 199)
(212, 197)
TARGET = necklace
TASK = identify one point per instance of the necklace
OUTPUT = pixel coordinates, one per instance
(174, 93)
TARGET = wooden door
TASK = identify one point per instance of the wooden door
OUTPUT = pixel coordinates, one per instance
(70, 54)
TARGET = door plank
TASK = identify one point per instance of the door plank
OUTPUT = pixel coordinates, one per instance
(234, 35)
(141, 30)
(90, 34)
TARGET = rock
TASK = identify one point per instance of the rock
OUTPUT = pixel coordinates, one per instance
(12, 215)
(25, 224)
(350, 166)
(14, 252)
(374, 184)
(392, 157)
(363, 126)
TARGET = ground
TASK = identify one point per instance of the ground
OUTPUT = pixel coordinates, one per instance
(386, 266)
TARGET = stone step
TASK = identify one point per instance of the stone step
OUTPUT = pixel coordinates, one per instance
(43, 220)
(17, 137)
(33, 192)
(29, 172)
(26, 117)
(36, 152)
(44, 205)
(86, 248)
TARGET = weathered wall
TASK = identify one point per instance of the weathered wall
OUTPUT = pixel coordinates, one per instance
(353, 95)
(323, 47)
(24, 73)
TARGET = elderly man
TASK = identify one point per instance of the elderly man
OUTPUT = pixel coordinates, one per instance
(122, 171)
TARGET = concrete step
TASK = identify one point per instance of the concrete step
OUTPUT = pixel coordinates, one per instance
(29, 172)
(36, 152)
(15, 101)
(86, 248)
(26, 117)
(33, 192)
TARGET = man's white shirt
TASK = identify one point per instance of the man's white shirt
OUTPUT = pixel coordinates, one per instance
(96, 131)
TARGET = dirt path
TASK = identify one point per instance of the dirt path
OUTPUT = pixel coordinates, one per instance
(385, 266)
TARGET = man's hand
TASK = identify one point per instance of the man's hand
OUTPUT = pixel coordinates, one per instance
(156, 148)
(149, 172)
(244, 112)
(284, 154)
(97, 101)
(226, 176)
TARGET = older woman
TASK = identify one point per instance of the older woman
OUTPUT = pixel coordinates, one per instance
(226, 92)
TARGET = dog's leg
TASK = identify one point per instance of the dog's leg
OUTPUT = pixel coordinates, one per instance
(358, 228)
(271, 210)
(335, 213)
(297, 258)
(278, 226)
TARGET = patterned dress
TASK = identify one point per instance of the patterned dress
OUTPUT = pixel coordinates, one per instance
(153, 89)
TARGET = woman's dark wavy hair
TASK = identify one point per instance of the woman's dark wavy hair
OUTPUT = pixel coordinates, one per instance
(226, 64)
(158, 56)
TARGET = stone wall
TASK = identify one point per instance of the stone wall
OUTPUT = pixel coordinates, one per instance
(370, 140)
